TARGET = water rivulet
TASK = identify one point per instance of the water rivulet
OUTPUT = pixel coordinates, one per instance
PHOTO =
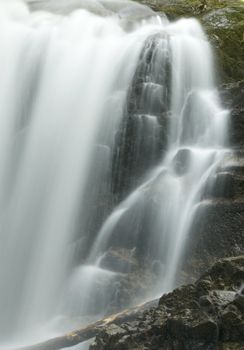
(110, 131)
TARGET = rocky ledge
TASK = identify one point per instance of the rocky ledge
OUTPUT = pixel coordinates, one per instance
(223, 23)
(208, 314)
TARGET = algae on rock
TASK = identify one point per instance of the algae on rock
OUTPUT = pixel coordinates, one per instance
(223, 22)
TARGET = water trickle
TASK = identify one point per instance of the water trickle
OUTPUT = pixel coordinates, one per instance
(110, 129)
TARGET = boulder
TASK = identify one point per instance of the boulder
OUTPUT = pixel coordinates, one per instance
(181, 161)
(120, 260)
(205, 315)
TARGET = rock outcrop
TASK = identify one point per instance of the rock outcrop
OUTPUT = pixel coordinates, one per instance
(218, 229)
(208, 314)
(142, 137)
(223, 23)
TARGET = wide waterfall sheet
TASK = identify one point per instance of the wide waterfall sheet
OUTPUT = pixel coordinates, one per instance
(110, 130)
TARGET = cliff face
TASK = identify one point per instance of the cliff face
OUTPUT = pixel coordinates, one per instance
(218, 229)
(223, 23)
(209, 313)
(221, 233)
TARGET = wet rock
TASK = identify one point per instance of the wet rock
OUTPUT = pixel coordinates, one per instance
(239, 302)
(233, 98)
(223, 186)
(232, 346)
(223, 297)
(205, 301)
(233, 162)
(181, 161)
(121, 260)
(131, 287)
(217, 232)
(142, 137)
(211, 310)
(225, 29)
(183, 318)
(223, 22)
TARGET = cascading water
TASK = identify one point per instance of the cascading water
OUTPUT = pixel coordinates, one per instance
(103, 106)
(158, 215)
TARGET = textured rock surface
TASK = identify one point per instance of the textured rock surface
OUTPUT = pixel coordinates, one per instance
(233, 97)
(223, 21)
(224, 24)
(218, 230)
(142, 137)
(206, 315)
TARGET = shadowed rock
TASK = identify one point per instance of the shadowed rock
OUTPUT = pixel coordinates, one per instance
(205, 315)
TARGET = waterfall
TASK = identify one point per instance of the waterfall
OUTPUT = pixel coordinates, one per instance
(111, 128)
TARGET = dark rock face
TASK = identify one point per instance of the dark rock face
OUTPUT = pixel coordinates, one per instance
(206, 315)
(223, 23)
(225, 28)
(131, 282)
(233, 97)
(142, 137)
(139, 143)
(119, 260)
(181, 161)
(218, 228)
(220, 234)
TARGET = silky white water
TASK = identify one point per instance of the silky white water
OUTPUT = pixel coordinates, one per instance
(66, 72)
(196, 146)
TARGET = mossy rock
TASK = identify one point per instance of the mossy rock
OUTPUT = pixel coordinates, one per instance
(190, 8)
(225, 28)
(223, 22)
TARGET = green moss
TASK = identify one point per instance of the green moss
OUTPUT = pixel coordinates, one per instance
(225, 28)
(223, 21)
(186, 8)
